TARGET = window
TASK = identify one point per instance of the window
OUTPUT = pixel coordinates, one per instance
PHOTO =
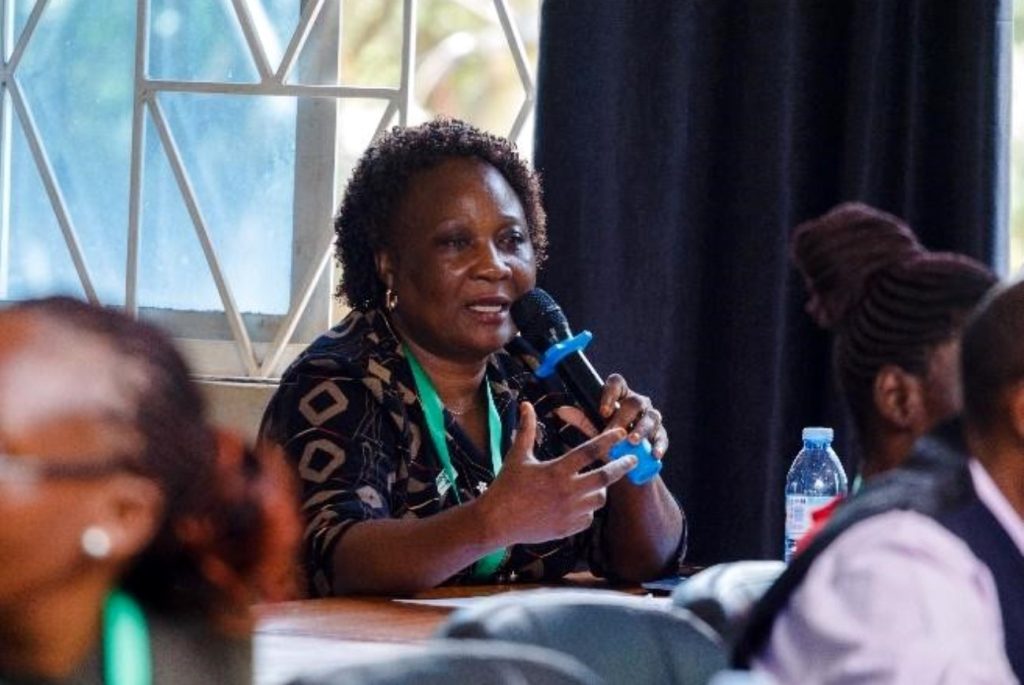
(1016, 242)
(183, 159)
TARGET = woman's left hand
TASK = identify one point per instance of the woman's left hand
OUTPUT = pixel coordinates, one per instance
(634, 412)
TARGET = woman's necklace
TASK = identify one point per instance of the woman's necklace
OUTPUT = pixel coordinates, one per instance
(459, 410)
(455, 410)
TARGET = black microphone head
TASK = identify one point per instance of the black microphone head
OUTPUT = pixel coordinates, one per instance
(539, 319)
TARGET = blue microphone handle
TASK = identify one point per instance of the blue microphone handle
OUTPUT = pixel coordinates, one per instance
(647, 466)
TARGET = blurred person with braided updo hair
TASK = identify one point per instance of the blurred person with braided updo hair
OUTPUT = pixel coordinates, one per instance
(896, 311)
(891, 585)
(836, 251)
(134, 536)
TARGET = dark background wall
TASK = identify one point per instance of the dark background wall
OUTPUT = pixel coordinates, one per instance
(679, 142)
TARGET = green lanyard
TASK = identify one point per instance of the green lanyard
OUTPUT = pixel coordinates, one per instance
(433, 410)
(126, 658)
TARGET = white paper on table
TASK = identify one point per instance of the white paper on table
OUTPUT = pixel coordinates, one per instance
(461, 602)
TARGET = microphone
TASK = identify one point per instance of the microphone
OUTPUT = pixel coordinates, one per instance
(543, 324)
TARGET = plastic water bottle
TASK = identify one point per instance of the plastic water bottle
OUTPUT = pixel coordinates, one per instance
(815, 479)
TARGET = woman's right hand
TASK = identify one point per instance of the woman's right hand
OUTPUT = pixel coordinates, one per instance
(532, 501)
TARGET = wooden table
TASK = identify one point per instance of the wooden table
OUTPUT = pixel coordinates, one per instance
(316, 634)
(366, 619)
(387, 619)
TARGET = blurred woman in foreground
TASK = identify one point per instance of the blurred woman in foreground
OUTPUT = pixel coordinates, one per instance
(133, 535)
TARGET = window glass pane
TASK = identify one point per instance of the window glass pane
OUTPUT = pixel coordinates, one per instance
(357, 121)
(466, 66)
(198, 40)
(38, 262)
(22, 8)
(464, 63)
(318, 62)
(449, 34)
(371, 43)
(275, 22)
(76, 77)
(1017, 142)
(239, 153)
(173, 273)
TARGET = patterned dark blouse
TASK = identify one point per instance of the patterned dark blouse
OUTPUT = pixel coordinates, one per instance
(349, 419)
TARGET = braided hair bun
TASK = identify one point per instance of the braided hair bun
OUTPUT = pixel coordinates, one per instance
(837, 252)
(888, 300)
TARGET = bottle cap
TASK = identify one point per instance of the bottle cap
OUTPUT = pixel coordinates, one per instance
(817, 433)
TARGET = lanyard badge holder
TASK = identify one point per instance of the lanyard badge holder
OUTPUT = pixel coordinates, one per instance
(647, 467)
(433, 410)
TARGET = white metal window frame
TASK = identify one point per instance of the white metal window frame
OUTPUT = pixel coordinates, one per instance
(235, 354)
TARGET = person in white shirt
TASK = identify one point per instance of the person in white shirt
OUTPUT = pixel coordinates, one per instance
(922, 579)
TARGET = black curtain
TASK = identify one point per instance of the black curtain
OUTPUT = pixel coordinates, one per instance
(679, 142)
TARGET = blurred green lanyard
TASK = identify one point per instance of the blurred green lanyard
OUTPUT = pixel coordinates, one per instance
(126, 659)
(433, 410)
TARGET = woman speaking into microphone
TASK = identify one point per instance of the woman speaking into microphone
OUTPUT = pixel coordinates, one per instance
(428, 452)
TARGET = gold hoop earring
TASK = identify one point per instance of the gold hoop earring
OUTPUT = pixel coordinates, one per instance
(390, 300)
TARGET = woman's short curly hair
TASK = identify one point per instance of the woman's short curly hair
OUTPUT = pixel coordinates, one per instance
(381, 178)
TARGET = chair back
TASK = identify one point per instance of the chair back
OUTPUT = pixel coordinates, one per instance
(444, 662)
(624, 639)
(722, 595)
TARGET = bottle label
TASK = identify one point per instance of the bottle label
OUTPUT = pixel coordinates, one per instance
(798, 518)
